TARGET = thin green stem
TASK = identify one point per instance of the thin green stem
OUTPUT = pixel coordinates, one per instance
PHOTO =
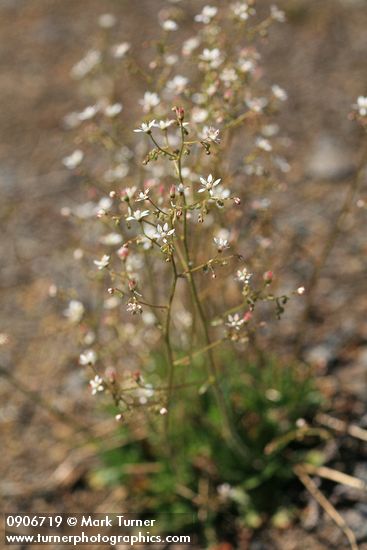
(230, 433)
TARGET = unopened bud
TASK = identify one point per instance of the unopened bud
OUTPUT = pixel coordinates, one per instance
(172, 191)
(268, 277)
(237, 201)
(123, 252)
(132, 284)
(136, 375)
(180, 112)
(247, 316)
(111, 374)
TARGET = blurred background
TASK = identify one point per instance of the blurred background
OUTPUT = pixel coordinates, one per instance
(319, 58)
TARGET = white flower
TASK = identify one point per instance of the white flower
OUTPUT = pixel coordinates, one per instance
(103, 262)
(146, 127)
(206, 15)
(210, 134)
(234, 321)
(228, 76)
(169, 25)
(112, 302)
(119, 50)
(138, 215)
(105, 203)
(88, 113)
(247, 65)
(73, 160)
(208, 184)
(256, 104)
(149, 101)
(213, 57)
(362, 105)
(279, 93)
(87, 64)
(111, 239)
(128, 193)
(241, 10)
(4, 339)
(190, 45)
(199, 115)
(263, 144)
(88, 357)
(301, 290)
(143, 195)
(96, 384)
(116, 173)
(145, 393)
(221, 244)
(177, 84)
(134, 308)
(75, 311)
(113, 110)
(277, 14)
(107, 20)
(164, 124)
(163, 411)
(225, 490)
(270, 130)
(219, 194)
(164, 232)
(243, 276)
(282, 164)
(171, 59)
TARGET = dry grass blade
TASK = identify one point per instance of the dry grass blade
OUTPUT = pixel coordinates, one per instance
(310, 485)
(338, 477)
(341, 426)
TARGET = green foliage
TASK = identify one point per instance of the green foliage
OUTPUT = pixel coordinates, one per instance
(272, 407)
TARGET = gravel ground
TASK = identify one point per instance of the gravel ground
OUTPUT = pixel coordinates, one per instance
(319, 57)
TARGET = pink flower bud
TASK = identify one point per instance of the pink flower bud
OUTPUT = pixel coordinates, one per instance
(111, 374)
(180, 112)
(237, 201)
(132, 284)
(123, 252)
(228, 94)
(136, 375)
(247, 316)
(268, 277)
(172, 191)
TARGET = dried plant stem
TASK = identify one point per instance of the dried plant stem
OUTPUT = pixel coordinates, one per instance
(338, 477)
(341, 426)
(310, 485)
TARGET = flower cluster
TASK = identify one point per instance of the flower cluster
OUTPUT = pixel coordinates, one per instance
(179, 212)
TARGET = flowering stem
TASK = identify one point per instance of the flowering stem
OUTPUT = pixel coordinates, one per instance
(167, 339)
(230, 433)
(164, 151)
